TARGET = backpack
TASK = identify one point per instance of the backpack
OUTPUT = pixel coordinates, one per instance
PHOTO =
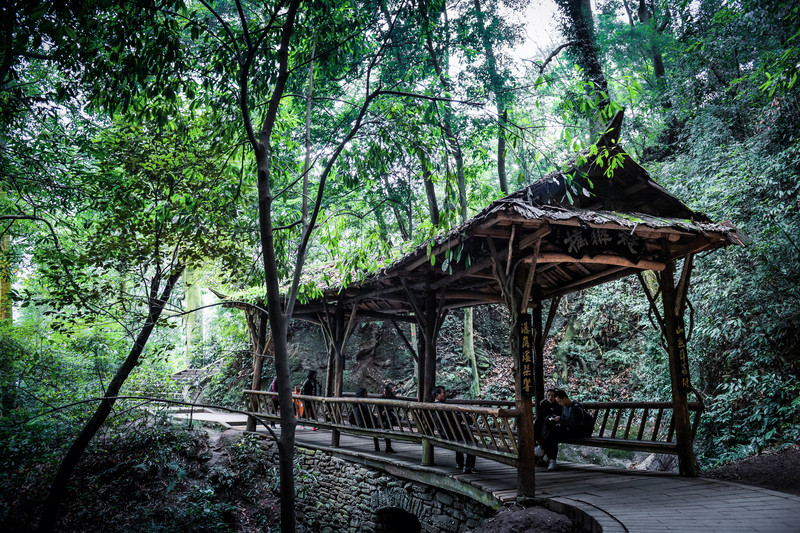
(589, 419)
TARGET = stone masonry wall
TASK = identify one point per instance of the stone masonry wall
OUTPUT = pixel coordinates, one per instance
(335, 495)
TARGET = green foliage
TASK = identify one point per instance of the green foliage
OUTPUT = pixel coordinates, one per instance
(141, 474)
(236, 375)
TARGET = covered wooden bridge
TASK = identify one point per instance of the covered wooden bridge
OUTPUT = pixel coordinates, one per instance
(597, 222)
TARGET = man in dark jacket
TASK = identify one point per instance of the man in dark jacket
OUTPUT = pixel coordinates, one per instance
(310, 387)
(567, 425)
(548, 408)
(450, 428)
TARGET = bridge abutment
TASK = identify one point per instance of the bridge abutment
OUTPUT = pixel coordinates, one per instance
(336, 495)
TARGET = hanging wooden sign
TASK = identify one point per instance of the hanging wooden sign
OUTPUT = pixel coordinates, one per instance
(526, 355)
(683, 356)
(588, 242)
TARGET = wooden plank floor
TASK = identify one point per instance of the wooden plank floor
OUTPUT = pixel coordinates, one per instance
(619, 500)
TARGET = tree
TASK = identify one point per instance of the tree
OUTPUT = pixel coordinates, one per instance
(149, 210)
(578, 28)
(265, 75)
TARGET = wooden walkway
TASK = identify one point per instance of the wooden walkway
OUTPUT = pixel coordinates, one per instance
(616, 500)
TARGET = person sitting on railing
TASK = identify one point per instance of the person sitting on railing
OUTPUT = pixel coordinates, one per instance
(449, 427)
(386, 414)
(566, 426)
(362, 417)
(548, 408)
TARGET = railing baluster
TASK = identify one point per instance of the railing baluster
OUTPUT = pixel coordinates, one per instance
(695, 423)
(628, 426)
(671, 427)
(657, 424)
(643, 423)
(606, 412)
(616, 423)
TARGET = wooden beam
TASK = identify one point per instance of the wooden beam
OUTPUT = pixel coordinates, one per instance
(611, 276)
(497, 233)
(471, 295)
(460, 304)
(601, 260)
(510, 250)
(484, 263)
(679, 373)
(682, 291)
(376, 315)
(550, 316)
(405, 341)
(526, 293)
(543, 231)
(436, 250)
(591, 277)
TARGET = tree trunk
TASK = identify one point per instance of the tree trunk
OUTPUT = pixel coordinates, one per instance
(5, 278)
(58, 490)
(499, 98)
(469, 352)
(645, 17)
(278, 321)
(579, 27)
(194, 320)
(430, 191)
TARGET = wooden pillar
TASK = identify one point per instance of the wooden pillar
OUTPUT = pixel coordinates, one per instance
(424, 391)
(429, 316)
(432, 325)
(339, 332)
(257, 324)
(525, 332)
(516, 284)
(678, 363)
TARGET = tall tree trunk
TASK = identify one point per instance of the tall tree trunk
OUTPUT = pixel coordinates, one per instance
(455, 148)
(5, 278)
(499, 97)
(645, 17)
(278, 319)
(578, 26)
(194, 320)
(469, 352)
(58, 489)
(430, 191)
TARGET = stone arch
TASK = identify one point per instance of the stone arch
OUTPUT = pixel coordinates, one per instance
(396, 520)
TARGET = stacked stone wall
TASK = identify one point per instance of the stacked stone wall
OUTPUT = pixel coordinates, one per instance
(335, 495)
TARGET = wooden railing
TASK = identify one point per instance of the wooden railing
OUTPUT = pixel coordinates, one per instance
(638, 426)
(482, 431)
(469, 427)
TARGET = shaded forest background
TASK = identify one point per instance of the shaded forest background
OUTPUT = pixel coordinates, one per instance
(132, 189)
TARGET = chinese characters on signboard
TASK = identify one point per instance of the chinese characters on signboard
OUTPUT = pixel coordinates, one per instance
(579, 242)
(683, 358)
(526, 355)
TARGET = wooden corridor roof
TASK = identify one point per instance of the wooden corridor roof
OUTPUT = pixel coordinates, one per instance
(572, 230)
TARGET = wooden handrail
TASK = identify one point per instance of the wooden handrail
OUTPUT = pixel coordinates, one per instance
(472, 428)
(484, 431)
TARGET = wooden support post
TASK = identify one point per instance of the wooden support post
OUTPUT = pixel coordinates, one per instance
(257, 324)
(423, 391)
(340, 334)
(528, 331)
(679, 368)
(431, 337)
(429, 316)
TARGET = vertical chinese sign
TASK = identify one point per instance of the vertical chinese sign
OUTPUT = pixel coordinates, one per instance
(526, 355)
(683, 357)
